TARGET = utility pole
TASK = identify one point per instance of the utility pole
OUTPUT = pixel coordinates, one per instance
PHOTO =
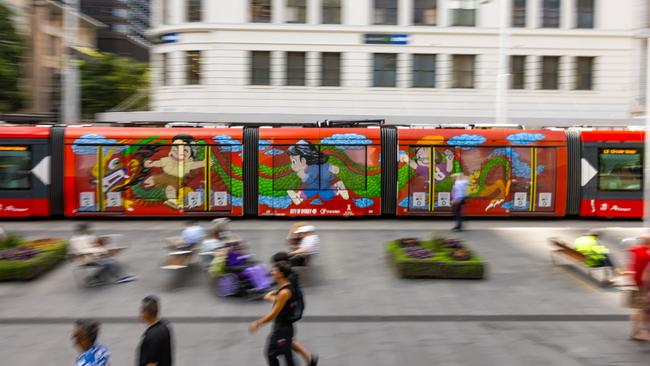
(503, 73)
(70, 104)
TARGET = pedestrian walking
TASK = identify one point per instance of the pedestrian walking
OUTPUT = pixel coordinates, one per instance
(639, 298)
(458, 198)
(84, 335)
(310, 358)
(287, 309)
(156, 344)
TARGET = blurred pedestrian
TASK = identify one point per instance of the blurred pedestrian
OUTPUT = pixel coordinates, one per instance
(639, 298)
(596, 254)
(309, 357)
(458, 198)
(3, 235)
(156, 345)
(192, 235)
(84, 335)
(308, 245)
(90, 249)
(282, 314)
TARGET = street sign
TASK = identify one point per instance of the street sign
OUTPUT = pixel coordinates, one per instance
(170, 38)
(374, 38)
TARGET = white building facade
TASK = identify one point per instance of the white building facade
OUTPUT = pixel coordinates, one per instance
(414, 61)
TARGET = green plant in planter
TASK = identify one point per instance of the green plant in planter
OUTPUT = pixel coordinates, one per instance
(11, 241)
(440, 265)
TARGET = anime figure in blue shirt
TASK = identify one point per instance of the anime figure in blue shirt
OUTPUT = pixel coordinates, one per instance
(317, 175)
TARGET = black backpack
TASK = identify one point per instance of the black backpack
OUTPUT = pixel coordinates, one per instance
(297, 301)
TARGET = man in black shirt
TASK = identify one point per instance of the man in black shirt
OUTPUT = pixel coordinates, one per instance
(156, 344)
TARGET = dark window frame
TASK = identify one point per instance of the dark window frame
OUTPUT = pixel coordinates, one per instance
(296, 73)
(465, 14)
(326, 69)
(331, 14)
(419, 7)
(261, 11)
(519, 10)
(518, 72)
(194, 16)
(420, 73)
(193, 72)
(381, 74)
(458, 73)
(556, 80)
(260, 75)
(301, 6)
(585, 14)
(391, 13)
(551, 14)
(582, 81)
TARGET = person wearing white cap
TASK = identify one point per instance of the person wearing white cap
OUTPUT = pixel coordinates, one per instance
(308, 246)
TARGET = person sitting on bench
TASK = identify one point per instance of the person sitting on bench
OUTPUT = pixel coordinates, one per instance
(308, 245)
(91, 248)
(192, 235)
(596, 255)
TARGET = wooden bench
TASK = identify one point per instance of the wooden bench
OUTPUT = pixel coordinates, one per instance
(563, 252)
(178, 259)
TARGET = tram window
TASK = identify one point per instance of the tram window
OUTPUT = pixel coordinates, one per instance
(14, 167)
(620, 169)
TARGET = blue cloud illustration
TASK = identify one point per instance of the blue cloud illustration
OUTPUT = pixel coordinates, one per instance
(466, 140)
(317, 202)
(363, 202)
(524, 138)
(87, 145)
(404, 202)
(229, 143)
(264, 144)
(275, 202)
(236, 201)
(347, 141)
(274, 152)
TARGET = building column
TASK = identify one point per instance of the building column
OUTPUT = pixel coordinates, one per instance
(314, 11)
(567, 74)
(357, 12)
(176, 11)
(533, 14)
(443, 13)
(277, 11)
(568, 14)
(405, 12)
(444, 71)
(404, 70)
(533, 71)
(312, 69)
(278, 72)
(157, 13)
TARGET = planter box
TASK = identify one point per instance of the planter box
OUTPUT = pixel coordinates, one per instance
(438, 266)
(50, 254)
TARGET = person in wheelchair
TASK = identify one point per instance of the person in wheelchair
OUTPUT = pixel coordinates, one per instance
(92, 251)
(253, 276)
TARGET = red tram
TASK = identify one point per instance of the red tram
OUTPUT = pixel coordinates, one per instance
(79, 171)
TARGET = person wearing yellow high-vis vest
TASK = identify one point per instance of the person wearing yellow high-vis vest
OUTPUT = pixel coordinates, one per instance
(596, 255)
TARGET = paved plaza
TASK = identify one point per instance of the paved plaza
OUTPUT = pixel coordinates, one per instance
(527, 312)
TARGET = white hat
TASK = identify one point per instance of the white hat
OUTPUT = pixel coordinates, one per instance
(304, 229)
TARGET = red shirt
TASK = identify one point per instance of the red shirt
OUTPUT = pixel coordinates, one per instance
(640, 260)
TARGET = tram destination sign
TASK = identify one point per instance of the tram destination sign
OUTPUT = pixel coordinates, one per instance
(375, 38)
(620, 151)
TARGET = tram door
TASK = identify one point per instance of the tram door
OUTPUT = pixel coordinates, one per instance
(431, 182)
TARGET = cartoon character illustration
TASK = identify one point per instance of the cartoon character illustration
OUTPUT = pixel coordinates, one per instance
(316, 174)
(479, 186)
(421, 163)
(174, 168)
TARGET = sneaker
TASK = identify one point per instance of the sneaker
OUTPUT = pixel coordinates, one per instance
(126, 279)
(314, 359)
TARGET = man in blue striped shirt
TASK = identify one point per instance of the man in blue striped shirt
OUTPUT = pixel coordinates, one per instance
(85, 334)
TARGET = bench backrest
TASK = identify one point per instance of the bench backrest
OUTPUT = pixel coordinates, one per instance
(567, 249)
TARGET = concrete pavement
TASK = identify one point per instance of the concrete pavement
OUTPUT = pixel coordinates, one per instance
(358, 311)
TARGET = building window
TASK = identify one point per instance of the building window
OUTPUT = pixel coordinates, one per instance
(385, 70)
(52, 45)
(330, 67)
(164, 71)
(295, 68)
(261, 11)
(331, 12)
(518, 72)
(120, 12)
(194, 10)
(425, 12)
(464, 70)
(193, 67)
(120, 28)
(463, 13)
(584, 73)
(519, 13)
(385, 12)
(296, 11)
(424, 71)
(585, 14)
(550, 72)
(550, 13)
(260, 68)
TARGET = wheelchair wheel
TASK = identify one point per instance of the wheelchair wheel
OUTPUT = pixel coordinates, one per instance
(226, 285)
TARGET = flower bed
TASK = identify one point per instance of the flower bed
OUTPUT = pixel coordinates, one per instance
(31, 258)
(433, 259)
